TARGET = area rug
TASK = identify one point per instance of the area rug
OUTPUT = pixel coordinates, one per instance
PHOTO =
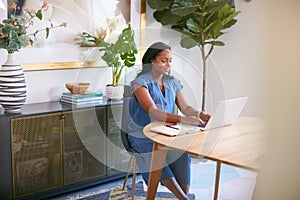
(119, 194)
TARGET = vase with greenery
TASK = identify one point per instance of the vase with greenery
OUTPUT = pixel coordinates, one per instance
(13, 36)
(118, 54)
(200, 22)
(14, 31)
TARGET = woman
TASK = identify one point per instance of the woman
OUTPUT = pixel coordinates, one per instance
(155, 94)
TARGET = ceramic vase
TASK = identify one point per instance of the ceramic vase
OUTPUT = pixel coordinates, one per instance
(12, 85)
(114, 92)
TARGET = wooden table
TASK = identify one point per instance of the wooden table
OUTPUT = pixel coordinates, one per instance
(239, 145)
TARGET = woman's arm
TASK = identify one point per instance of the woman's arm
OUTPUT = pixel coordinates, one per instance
(189, 110)
(143, 96)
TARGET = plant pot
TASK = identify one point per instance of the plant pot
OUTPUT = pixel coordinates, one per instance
(114, 92)
(12, 86)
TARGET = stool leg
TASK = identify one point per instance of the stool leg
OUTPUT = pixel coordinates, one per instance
(133, 179)
(128, 170)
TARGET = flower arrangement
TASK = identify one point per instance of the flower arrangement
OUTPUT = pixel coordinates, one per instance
(13, 31)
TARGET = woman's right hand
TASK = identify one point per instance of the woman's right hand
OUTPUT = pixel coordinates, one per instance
(192, 120)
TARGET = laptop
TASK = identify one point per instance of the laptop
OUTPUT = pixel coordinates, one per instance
(226, 113)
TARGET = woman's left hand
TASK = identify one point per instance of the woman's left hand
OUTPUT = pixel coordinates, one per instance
(204, 116)
(192, 120)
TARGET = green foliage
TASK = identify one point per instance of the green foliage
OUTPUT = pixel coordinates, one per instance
(12, 35)
(161, 4)
(201, 22)
(13, 31)
(119, 54)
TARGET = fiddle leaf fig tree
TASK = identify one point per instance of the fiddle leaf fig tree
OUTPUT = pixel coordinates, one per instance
(119, 54)
(200, 22)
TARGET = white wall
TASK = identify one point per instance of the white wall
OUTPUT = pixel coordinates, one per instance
(43, 86)
(48, 85)
(241, 62)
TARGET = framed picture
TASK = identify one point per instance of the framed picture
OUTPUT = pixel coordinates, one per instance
(62, 49)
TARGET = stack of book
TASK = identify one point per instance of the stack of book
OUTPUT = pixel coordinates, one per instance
(82, 99)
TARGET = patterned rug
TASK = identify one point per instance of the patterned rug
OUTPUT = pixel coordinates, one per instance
(119, 194)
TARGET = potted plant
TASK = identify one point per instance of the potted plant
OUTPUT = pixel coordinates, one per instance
(201, 23)
(117, 55)
(13, 36)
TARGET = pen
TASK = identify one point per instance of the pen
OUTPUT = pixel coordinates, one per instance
(172, 127)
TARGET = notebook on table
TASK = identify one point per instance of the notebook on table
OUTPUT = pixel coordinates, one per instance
(226, 113)
(174, 130)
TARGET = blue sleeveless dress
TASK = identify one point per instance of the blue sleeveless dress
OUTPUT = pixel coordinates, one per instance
(177, 163)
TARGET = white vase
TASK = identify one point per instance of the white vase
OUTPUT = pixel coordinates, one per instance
(114, 92)
(12, 85)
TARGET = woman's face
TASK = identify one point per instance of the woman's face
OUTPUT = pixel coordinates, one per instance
(162, 62)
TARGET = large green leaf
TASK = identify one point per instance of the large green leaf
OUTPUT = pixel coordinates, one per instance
(159, 4)
(186, 3)
(216, 43)
(184, 7)
(193, 25)
(216, 29)
(183, 11)
(165, 17)
(187, 41)
(228, 14)
(198, 17)
(215, 6)
(182, 30)
(229, 24)
(208, 26)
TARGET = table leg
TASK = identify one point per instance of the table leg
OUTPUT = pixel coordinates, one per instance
(217, 181)
(157, 162)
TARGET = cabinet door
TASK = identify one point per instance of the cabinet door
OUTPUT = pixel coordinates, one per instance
(117, 159)
(36, 144)
(84, 145)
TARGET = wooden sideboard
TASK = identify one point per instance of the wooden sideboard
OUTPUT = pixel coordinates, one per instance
(52, 148)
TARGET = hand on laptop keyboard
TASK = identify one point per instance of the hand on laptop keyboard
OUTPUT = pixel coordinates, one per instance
(204, 116)
(191, 120)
